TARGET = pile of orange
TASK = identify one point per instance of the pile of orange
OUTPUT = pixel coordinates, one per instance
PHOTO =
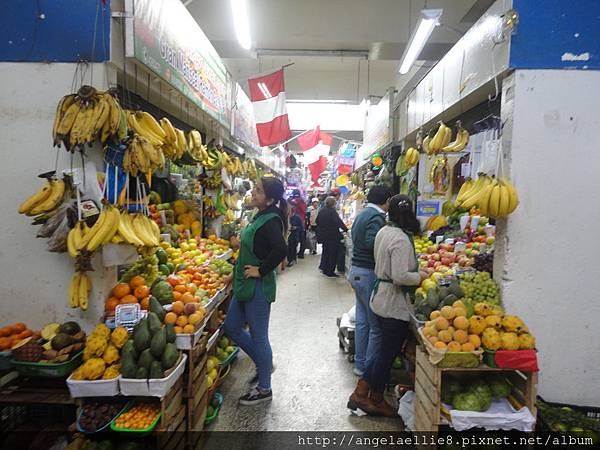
(185, 317)
(11, 335)
(202, 278)
(135, 291)
(139, 417)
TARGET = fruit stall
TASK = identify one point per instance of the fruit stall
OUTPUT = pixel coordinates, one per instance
(149, 368)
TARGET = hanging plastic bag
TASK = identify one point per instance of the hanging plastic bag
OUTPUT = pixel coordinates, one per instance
(58, 240)
(406, 410)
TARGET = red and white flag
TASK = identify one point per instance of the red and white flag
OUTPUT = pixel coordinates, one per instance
(270, 112)
(316, 146)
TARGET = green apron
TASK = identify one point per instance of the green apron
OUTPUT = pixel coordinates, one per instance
(243, 289)
(410, 290)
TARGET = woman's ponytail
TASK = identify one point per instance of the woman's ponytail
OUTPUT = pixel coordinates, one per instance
(274, 190)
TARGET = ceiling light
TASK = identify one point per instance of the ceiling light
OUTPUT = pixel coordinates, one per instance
(429, 20)
(241, 22)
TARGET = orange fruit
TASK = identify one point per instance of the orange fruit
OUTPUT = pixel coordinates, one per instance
(128, 299)
(191, 288)
(145, 303)
(141, 291)
(171, 318)
(6, 331)
(111, 303)
(182, 321)
(176, 295)
(461, 336)
(25, 334)
(178, 330)
(440, 345)
(180, 288)
(188, 329)
(187, 298)
(454, 346)
(137, 281)
(177, 307)
(195, 318)
(467, 347)
(19, 327)
(174, 280)
(121, 290)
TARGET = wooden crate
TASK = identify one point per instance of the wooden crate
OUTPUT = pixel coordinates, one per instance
(428, 387)
(195, 362)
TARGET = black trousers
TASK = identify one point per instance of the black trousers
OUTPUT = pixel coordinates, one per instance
(341, 259)
(394, 333)
(329, 257)
(302, 242)
(292, 247)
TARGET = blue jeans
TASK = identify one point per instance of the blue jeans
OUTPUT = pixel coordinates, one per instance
(367, 335)
(255, 313)
(394, 333)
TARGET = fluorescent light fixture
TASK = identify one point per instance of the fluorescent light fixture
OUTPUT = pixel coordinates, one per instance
(429, 20)
(265, 91)
(239, 8)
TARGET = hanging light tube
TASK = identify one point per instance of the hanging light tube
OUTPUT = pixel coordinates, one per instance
(239, 8)
(429, 20)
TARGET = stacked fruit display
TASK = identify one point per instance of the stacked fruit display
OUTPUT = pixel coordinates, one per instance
(444, 257)
(151, 351)
(136, 291)
(437, 297)
(196, 251)
(185, 317)
(139, 417)
(62, 342)
(480, 287)
(449, 329)
(11, 335)
(101, 354)
(474, 394)
(494, 198)
(206, 280)
(422, 243)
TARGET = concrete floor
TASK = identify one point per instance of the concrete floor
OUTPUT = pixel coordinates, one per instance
(313, 378)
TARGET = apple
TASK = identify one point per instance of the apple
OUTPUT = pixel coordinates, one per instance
(436, 257)
(490, 240)
(451, 257)
(437, 264)
(423, 257)
(446, 261)
(430, 263)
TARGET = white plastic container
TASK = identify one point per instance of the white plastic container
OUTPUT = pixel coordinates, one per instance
(95, 388)
(153, 387)
(187, 341)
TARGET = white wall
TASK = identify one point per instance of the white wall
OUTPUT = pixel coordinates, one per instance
(548, 249)
(33, 281)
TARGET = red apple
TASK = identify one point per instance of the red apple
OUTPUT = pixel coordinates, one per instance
(437, 264)
(436, 257)
(446, 261)
(430, 263)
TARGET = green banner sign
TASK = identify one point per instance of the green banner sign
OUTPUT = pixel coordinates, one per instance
(169, 42)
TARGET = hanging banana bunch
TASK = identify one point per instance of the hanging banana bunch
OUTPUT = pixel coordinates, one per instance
(142, 157)
(411, 158)
(494, 198)
(79, 290)
(87, 116)
(442, 137)
(461, 141)
(45, 200)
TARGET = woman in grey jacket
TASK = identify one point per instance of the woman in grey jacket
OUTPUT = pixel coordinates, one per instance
(397, 271)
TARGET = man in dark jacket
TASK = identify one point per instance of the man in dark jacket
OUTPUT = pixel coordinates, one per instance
(367, 337)
(328, 233)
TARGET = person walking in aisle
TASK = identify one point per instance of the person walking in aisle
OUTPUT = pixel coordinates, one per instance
(296, 232)
(397, 272)
(313, 210)
(300, 206)
(329, 225)
(367, 335)
(262, 248)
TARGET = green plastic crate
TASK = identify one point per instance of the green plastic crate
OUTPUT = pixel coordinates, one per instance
(48, 370)
(142, 432)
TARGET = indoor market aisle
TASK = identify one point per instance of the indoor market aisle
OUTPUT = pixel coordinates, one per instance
(313, 378)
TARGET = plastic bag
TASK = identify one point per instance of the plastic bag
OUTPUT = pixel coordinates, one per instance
(58, 240)
(53, 222)
(406, 409)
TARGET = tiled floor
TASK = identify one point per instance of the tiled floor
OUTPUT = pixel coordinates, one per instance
(313, 378)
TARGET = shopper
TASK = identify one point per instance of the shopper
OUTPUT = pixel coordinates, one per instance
(362, 275)
(397, 272)
(300, 206)
(329, 225)
(313, 210)
(262, 248)
(296, 232)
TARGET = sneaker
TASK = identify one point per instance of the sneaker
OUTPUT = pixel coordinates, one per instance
(301, 256)
(331, 275)
(256, 397)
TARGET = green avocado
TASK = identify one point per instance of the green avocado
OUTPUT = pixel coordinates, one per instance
(146, 359)
(128, 368)
(141, 335)
(154, 323)
(156, 370)
(141, 373)
(449, 300)
(171, 335)
(169, 356)
(156, 308)
(158, 343)
(433, 299)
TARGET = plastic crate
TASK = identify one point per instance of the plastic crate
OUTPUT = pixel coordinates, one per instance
(210, 419)
(136, 432)
(106, 425)
(48, 370)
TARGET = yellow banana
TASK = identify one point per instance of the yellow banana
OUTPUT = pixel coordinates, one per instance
(167, 126)
(84, 288)
(37, 198)
(477, 196)
(461, 141)
(436, 142)
(141, 231)
(68, 119)
(466, 186)
(504, 201)
(95, 229)
(52, 200)
(71, 243)
(74, 290)
(64, 104)
(150, 126)
(447, 137)
(485, 198)
(476, 186)
(126, 230)
(103, 231)
(494, 202)
(512, 194)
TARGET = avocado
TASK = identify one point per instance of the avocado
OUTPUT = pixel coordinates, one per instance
(158, 343)
(157, 309)
(154, 323)
(129, 351)
(128, 368)
(146, 359)
(449, 300)
(141, 373)
(62, 340)
(456, 289)
(156, 370)
(169, 356)
(141, 336)
(171, 335)
(70, 328)
(443, 292)
(162, 256)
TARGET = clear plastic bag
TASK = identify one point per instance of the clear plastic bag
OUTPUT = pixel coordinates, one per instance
(406, 409)
(58, 240)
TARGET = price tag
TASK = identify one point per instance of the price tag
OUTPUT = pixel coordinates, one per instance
(465, 170)
(128, 315)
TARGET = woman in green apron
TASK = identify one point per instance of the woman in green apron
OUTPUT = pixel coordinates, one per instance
(262, 248)
(397, 272)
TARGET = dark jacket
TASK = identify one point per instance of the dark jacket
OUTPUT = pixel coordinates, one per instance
(364, 229)
(269, 244)
(329, 225)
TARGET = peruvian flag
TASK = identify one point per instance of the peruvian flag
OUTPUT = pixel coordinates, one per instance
(270, 113)
(316, 146)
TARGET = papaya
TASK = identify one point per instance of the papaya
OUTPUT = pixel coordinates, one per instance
(146, 359)
(158, 343)
(169, 356)
(141, 373)
(128, 368)
(141, 336)
(157, 309)
(129, 351)
(156, 370)
(154, 323)
(171, 335)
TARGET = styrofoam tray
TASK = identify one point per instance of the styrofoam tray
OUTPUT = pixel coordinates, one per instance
(153, 387)
(95, 388)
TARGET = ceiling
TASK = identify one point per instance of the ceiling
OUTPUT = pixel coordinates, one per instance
(340, 49)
